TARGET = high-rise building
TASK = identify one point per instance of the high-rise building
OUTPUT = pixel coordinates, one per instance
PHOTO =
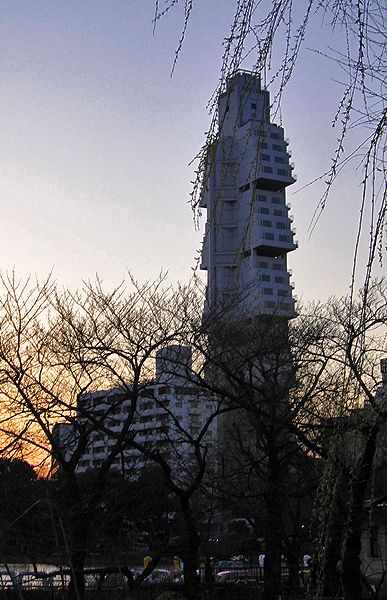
(247, 239)
(248, 230)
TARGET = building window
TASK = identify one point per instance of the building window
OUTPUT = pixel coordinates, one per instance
(270, 304)
(282, 293)
(267, 169)
(185, 391)
(165, 389)
(264, 210)
(266, 223)
(268, 291)
(265, 157)
(275, 200)
(283, 238)
(262, 199)
(279, 159)
(277, 267)
(263, 265)
(277, 147)
(279, 279)
(275, 136)
(146, 419)
(265, 277)
(281, 225)
(282, 172)
(278, 213)
(268, 236)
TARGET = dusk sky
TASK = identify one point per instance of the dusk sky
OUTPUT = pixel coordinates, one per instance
(96, 140)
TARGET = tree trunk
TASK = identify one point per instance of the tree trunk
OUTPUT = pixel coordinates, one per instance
(351, 571)
(189, 550)
(293, 581)
(76, 589)
(80, 526)
(273, 534)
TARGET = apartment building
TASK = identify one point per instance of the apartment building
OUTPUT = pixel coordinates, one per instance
(169, 415)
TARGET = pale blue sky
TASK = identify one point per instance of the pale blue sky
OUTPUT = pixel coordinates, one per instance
(96, 139)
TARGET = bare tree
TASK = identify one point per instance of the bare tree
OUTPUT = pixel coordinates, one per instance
(275, 391)
(120, 336)
(296, 387)
(359, 343)
(251, 364)
(57, 347)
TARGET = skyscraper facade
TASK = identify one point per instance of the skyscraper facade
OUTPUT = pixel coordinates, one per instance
(248, 230)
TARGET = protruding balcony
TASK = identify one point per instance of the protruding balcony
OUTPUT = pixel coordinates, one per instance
(272, 244)
(281, 309)
(273, 178)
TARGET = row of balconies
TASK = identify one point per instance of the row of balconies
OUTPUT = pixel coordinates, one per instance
(229, 216)
(100, 449)
(266, 290)
(268, 248)
(272, 176)
(265, 303)
(282, 308)
(226, 226)
(100, 406)
(267, 241)
(275, 245)
(272, 277)
(265, 142)
(278, 292)
(227, 212)
(117, 414)
(91, 458)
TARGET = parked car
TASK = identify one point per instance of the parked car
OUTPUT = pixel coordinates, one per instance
(228, 564)
(241, 576)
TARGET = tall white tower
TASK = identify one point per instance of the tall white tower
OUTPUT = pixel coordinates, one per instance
(248, 230)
